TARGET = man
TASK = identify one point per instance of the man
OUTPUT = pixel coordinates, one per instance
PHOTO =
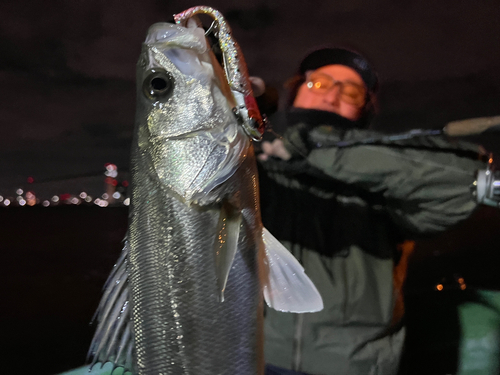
(343, 211)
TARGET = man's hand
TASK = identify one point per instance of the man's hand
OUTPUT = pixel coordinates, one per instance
(276, 149)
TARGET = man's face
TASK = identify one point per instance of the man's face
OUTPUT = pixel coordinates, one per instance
(333, 88)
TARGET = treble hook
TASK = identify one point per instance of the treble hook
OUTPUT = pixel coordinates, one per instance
(213, 29)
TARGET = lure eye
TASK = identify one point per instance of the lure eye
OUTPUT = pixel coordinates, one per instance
(158, 84)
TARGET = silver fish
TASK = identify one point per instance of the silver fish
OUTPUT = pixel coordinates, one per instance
(185, 297)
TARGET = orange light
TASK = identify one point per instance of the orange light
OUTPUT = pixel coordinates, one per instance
(463, 286)
(439, 287)
(317, 85)
(461, 280)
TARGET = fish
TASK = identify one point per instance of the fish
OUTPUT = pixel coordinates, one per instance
(186, 294)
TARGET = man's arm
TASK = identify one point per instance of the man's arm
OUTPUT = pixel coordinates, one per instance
(427, 189)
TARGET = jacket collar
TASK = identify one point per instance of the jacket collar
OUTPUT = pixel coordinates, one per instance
(314, 118)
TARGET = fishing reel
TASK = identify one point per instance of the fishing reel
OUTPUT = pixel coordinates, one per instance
(486, 188)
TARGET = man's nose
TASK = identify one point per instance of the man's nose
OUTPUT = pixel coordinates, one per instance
(332, 96)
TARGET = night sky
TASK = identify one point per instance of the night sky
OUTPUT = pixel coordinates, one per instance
(67, 72)
(68, 68)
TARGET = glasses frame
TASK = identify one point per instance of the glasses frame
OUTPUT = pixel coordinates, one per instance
(341, 84)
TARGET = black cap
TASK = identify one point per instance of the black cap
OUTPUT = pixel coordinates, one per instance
(341, 56)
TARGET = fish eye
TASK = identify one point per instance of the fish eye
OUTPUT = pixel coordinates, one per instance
(158, 84)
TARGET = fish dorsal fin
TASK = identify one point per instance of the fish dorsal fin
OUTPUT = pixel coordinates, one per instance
(286, 287)
(226, 243)
(112, 340)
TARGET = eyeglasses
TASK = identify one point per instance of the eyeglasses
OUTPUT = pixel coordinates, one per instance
(350, 92)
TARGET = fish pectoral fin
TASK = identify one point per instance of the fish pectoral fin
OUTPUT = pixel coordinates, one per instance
(286, 286)
(226, 244)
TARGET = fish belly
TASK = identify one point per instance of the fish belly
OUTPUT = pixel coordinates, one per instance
(179, 326)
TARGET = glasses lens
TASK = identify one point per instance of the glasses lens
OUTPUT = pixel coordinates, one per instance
(351, 93)
(320, 83)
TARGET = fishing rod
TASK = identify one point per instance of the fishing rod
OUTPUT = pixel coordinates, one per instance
(460, 128)
(486, 188)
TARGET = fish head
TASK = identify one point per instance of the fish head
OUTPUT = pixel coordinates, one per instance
(185, 120)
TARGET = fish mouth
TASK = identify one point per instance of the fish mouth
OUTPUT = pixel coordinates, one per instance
(190, 134)
(169, 35)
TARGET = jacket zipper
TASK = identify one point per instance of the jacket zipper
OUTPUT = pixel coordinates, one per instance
(297, 343)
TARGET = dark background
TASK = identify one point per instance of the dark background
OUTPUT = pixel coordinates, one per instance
(67, 107)
(67, 67)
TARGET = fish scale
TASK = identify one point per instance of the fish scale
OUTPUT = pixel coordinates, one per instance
(174, 294)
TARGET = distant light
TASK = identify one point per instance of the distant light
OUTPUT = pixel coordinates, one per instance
(103, 203)
(112, 174)
(22, 202)
(55, 198)
(1, 198)
(83, 195)
(19, 198)
(110, 167)
(46, 204)
(125, 183)
(31, 198)
(19, 191)
(439, 287)
(30, 180)
(105, 196)
(75, 200)
(97, 201)
(88, 198)
(116, 195)
(6, 202)
(126, 202)
(114, 182)
(461, 280)
(463, 286)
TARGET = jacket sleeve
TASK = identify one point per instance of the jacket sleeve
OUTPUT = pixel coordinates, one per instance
(426, 187)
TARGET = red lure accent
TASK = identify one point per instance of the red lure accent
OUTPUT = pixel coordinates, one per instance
(254, 112)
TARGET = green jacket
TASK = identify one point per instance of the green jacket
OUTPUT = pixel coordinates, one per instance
(342, 213)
